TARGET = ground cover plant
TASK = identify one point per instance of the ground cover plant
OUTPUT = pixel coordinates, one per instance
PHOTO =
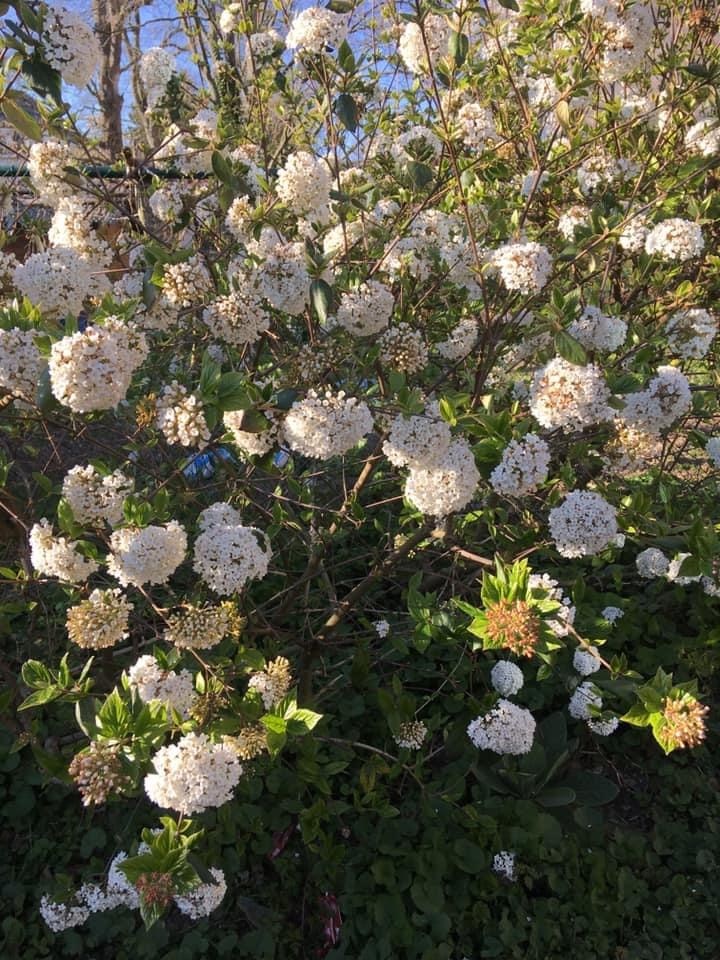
(360, 457)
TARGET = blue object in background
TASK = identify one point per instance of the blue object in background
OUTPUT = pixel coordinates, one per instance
(203, 465)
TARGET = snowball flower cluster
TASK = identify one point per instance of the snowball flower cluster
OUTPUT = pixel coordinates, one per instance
(193, 774)
(655, 408)
(146, 555)
(92, 370)
(583, 525)
(461, 340)
(584, 701)
(413, 49)
(596, 331)
(418, 441)
(504, 864)
(316, 28)
(507, 678)
(586, 661)
(675, 239)
(326, 425)
(366, 310)
(205, 898)
(252, 443)
(57, 556)
(46, 166)
(304, 185)
(524, 267)
(273, 682)
(59, 281)
(523, 468)
(652, 563)
(71, 46)
(449, 485)
(477, 126)
(691, 332)
(157, 66)
(21, 364)
(238, 318)
(506, 729)
(152, 683)
(411, 735)
(94, 498)
(227, 554)
(99, 622)
(187, 283)
(180, 417)
(570, 396)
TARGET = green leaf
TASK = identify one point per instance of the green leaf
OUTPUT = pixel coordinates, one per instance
(232, 393)
(321, 297)
(560, 796)
(347, 111)
(40, 697)
(346, 58)
(303, 720)
(420, 173)
(458, 45)
(591, 789)
(569, 348)
(510, 5)
(21, 120)
(221, 168)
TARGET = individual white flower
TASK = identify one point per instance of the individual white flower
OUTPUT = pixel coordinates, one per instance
(584, 701)
(506, 729)
(146, 555)
(205, 898)
(193, 774)
(447, 486)
(570, 396)
(523, 468)
(57, 556)
(652, 563)
(507, 678)
(326, 425)
(675, 239)
(585, 661)
(583, 525)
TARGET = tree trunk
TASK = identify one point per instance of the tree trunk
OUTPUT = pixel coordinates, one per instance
(109, 19)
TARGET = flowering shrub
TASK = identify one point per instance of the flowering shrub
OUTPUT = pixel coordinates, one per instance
(371, 455)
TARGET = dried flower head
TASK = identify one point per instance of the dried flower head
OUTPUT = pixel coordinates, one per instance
(98, 772)
(514, 624)
(684, 720)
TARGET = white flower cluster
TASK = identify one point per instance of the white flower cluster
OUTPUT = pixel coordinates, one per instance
(597, 331)
(569, 396)
(584, 701)
(655, 408)
(507, 678)
(673, 573)
(586, 661)
(675, 239)
(366, 310)
(326, 425)
(238, 217)
(59, 281)
(703, 137)
(411, 735)
(152, 683)
(634, 233)
(446, 486)
(627, 39)
(94, 498)
(57, 556)
(316, 28)
(477, 127)
(583, 525)
(21, 364)
(523, 468)
(273, 682)
(166, 202)
(414, 50)
(563, 618)
(461, 340)
(71, 226)
(612, 614)
(524, 267)
(403, 348)
(418, 441)
(156, 67)
(227, 554)
(572, 218)
(238, 318)
(652, 563)
(188, 283)
(46, 165)
(691, 332)
(304, 185)
(99, 622)
(180, 417)
(252, 444)
(146, 555)
(282, 279)
(61, 916)
(504, 864)
(506, 729)
(193, 774)
(71, 46)
(205, 898)
(92, 370)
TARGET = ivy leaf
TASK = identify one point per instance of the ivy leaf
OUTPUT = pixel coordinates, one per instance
(347, 111)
